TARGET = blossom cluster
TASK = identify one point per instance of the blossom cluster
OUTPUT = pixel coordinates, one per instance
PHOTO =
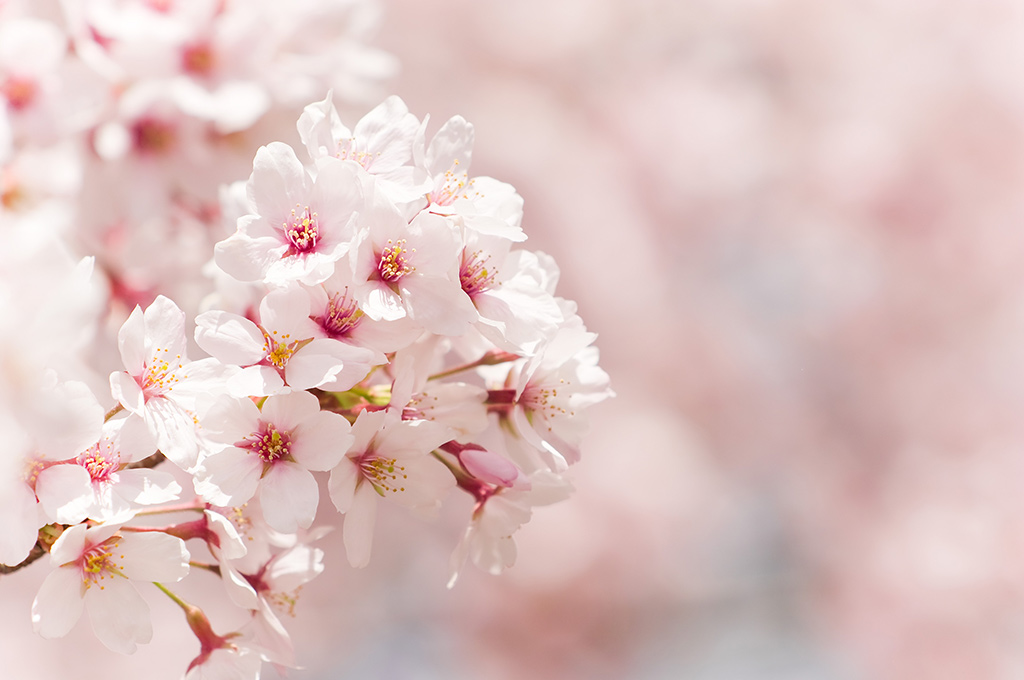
(370, 322)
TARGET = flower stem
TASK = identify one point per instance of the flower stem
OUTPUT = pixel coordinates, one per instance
(490, 358)
(113, 412)
(177, 600)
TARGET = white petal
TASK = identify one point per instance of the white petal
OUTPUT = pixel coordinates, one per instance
(119, 615)
(58, 604)
(320, 442)
(151, 556)
(289, 497)
(65, 492)
(359, 522)
(230, 338)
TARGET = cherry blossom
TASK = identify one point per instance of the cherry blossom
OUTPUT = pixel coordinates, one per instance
(95, 568)
(160, 384)
(389, 458)
(271, 451)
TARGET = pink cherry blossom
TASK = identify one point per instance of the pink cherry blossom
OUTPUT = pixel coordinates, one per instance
(299, 225)
(94, 571)
(271, 451)
(160, 384)
(389, 458)
(97, 485)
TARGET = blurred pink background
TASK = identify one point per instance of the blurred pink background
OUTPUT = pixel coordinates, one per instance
(798, 229)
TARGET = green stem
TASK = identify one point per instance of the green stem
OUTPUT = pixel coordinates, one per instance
(177, 600)
(113, 412)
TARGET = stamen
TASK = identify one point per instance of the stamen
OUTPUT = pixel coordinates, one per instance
(269, 443)
(383, 473)
(474, 275)
(341, 316)
(393, 263)
(302, 231)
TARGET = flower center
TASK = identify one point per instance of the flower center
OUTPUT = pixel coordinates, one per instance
(474, 275)
(19, 92)
(98, 465)
(277, 350)
(269, 444)
(394, 263)
(159, 373)
(153, 136)
(347, 153)
(341, 316)
(97, 563)
(383, 473)
(456, 185)
(198, 59)
(302, 231)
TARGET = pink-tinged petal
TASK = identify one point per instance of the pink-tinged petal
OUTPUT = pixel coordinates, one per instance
(359, 523)
(453, 142)
(438, 304)
(337, 196)
(69, 546)
(65, 492)
(289, 497)
(228, 478)
(294, 568)
(175, 432)
(278, 182)
(58, 604)
(239, 590)
(134, 440)
(229, 338)
(271, 637)
(285, 311)
(381, 303)
(229, 419)
(256, 381)
(119, 616)
(231, 546)
(286, 411)
(165, 328)
(131, 341)
(246, 258)
(425, 481)
(325, 355)
(322, 360)
(368, 424)
(412, 437)
(387, 132)
(320, 128)
(342, 485)
(20, 519)
(320, 442)
(437, 251)
(489, 466)
(127, 392)
(228, 663)
(146, 487)
(151, 556)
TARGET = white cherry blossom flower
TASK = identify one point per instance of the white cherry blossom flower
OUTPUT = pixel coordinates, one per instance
(381, 143)
(299, 226)
(389, 458)
(97, 485)
(95, 570)
(160, 384)
(285, 351)
(409, 269)
(271, 451)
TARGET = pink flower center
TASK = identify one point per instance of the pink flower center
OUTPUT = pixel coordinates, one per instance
(302, 230)
(474, 275)
(19, 92)
(383, 473)
(97, 563)
(347, 153)
(456, 185)
(159, 373)
(394, 263)
(543, 400)
(153, 136)
(198, 59)
(341, 316)
(99, 465)
(270, 444)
